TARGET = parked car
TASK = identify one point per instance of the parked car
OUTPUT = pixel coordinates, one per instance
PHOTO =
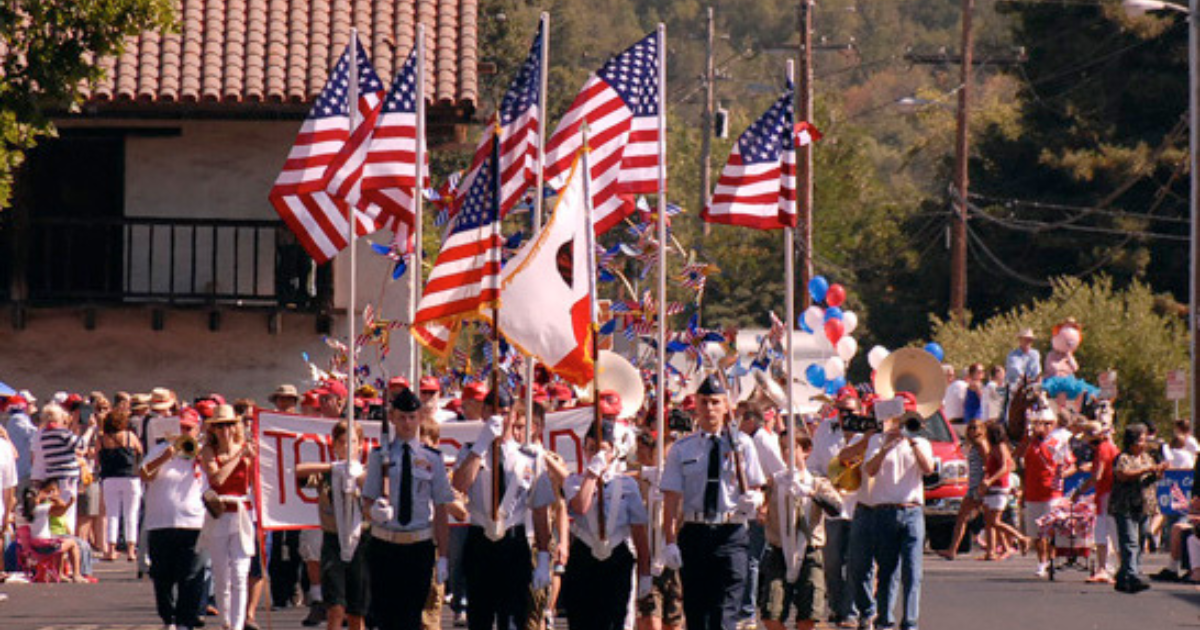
(947, 485)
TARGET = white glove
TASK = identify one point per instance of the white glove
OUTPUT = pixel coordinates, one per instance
(672, 558)
(541, 574)
(597, 465)
(748, 504)
(645, 585)
(381, 511)
(443, 570)
(795, 488)
(492, 428)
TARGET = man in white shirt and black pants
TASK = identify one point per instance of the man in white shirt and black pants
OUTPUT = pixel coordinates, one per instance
(894, 523)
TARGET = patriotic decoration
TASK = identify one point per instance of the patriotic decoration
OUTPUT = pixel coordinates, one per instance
(519, 118)
(806, 133)
(465, 280)
(325, 145)
(548, 289)
(620, 105)
(757, 188)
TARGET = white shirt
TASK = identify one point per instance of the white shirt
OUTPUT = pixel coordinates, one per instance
(442, 416)
(630, 510)
(1061, 438)
(1181, 458)
(993, 401)
(952, 402)
(770, 455)
(827, 443)
(899, 479)
(173, 497)
(525, 477)
(8, 473)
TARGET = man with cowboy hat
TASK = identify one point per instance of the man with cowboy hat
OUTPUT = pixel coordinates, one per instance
(710, 482)
(286, 398)
(1024, 360)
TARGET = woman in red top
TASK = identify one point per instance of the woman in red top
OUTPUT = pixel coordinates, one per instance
(1102, 480)
(994, 489)
(228, 529)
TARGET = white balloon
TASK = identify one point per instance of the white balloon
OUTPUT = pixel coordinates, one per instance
(849, 322)
(876, 356)
(835, 368)
(814, 316)
(846, 348)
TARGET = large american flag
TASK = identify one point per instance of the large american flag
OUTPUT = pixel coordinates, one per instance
(757, 188)
(325, 144)
(465, 280)
(620, 104)
(519, 117)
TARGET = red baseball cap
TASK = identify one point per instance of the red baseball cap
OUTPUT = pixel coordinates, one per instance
(312, 398)
(190, 419)
(539, 394)
(336, 388)
(454, 405)
(474, 391)
(561, 392)
(689, 402)
(610, 403)
(206, 408)
(430, 384)
(72, 402)
(398, 382)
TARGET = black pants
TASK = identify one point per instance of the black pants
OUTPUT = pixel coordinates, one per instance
(597, 592)
(400, 579)
(177, 569)
(498, 577)
(715, 567)
(284, 566)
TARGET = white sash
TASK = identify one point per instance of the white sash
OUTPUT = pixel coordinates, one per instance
(793, 548)
(655, 506)
(347, 508)
(514, 492)
(602, 548)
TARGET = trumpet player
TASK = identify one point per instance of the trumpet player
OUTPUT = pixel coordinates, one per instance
(173, 518)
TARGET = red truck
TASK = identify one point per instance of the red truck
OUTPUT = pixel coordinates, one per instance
(947, 485)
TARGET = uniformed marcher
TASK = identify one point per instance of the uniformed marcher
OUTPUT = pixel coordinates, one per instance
(497, 558)
(711, 485)
(407, 521)
(607, 511)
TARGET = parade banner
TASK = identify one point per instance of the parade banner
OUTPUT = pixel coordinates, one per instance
(1172, 491)
(285, 440)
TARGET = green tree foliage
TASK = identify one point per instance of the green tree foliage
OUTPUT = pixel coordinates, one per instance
(1141, 334)
(48, 52)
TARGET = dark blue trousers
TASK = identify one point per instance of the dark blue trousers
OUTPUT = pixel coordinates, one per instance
(714, 573)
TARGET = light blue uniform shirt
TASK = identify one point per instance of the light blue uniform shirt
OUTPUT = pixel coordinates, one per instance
(686, 471)
(630, 510)
(522, 467)
(21, 432)
(430, 484)
(1028, 364)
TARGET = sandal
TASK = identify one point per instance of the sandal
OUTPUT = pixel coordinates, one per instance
(1099, 578)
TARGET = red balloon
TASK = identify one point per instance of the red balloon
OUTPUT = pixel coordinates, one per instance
(835, 295)
(834, 329)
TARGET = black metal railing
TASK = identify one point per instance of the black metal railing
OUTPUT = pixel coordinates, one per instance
(177, 261)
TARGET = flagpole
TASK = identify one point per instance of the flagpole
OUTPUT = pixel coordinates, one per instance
(593, 328)
(351, 239)
(789, 283)
(495, 375)
(661, 399)
(544, 28)
(414, 366)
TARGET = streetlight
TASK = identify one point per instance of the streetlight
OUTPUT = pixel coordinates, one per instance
(1138, 8)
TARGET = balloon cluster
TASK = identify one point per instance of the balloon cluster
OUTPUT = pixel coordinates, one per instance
(836, 324)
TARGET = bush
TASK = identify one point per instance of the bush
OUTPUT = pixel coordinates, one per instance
(1139, 334)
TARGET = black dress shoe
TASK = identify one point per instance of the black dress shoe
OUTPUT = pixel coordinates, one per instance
(1166, 575)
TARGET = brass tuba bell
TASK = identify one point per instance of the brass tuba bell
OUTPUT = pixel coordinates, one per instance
(187, 446)
(915, 371)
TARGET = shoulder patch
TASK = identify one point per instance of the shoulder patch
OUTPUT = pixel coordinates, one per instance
(432, 449)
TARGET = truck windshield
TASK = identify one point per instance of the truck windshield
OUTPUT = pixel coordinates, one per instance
(936, 429)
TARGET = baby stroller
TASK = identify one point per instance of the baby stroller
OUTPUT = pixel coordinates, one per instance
(1071, 528)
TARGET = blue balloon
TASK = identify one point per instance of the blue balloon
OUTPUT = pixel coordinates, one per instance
(935, 349)
(833, 312)
(832, 387)
(815, 375)
(817, 288)
(804, 326)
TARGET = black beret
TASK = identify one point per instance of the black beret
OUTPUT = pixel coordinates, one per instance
(711, 386)
(406, 401)
(497, 398)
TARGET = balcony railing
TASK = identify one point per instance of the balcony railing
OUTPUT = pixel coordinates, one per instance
(228, 262)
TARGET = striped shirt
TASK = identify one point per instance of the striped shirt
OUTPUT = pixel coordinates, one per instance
(58, 448)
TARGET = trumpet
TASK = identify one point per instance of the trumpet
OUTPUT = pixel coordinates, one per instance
(186, 446)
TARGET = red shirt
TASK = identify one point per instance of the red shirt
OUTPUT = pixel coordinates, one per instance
(1042, 479)
(1106, 454)
(238, 482)
(994, 463)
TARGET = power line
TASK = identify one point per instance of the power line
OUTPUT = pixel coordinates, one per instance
(1041, 227)
(1040, 205)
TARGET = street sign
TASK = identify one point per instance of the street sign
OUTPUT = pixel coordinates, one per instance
(1177, 385)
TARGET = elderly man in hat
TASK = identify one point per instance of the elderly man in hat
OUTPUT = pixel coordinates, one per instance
(1023, 361)
(285, 398)
(711, 484)
(504, 481)
(430, 390)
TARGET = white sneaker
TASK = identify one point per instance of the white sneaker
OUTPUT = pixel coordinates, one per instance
(1043, 569)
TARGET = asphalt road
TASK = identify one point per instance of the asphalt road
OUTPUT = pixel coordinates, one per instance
(961, 595)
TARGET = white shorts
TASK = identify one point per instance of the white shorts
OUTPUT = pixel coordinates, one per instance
(1106, 525)
(1033, 511)
(995, 502)
(310, 545)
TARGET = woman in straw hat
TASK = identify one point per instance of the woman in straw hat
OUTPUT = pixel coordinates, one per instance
(228, 530)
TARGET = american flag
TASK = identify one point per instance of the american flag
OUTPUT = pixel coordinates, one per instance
(465, 280)
(757, 188)
(325, 143)
(620, 105)
(519, 119)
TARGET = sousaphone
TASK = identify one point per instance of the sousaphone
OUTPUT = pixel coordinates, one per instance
(615, 372)
(915, 371)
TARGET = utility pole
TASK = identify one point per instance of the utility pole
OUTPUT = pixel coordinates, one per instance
(958, 231)
(805, 156)
(710, 77)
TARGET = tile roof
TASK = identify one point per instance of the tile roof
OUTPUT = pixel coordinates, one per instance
(280, 51)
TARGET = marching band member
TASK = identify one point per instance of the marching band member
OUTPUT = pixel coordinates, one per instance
(497, 559)
(710, 483)
(407, 520)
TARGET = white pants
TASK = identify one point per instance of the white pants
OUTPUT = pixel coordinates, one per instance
(121, 498)
(231, 570)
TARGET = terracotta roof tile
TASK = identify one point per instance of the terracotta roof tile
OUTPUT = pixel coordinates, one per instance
(280, 51)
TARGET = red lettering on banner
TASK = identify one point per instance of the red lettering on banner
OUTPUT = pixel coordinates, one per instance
(304, 493)
(279, 435)
(574, 439)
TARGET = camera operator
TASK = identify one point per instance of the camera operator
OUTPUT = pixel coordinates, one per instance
(891, 507)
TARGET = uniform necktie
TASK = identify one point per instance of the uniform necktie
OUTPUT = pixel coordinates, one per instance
(502, 485)
(713, 485)
(406, 486)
